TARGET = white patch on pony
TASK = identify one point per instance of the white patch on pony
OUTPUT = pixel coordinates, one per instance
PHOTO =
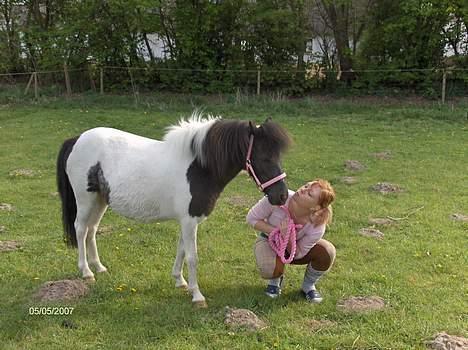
(194, 128)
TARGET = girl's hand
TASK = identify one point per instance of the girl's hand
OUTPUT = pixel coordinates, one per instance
(284, 228)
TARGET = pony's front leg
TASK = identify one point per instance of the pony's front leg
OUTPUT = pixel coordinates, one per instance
(179, 264)
(189, 236)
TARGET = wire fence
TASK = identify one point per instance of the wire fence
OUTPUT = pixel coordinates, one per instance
(434, 83)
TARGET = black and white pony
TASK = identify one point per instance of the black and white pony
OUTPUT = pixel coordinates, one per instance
(179, 178)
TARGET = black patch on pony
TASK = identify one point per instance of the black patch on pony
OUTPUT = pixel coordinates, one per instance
(203, 188)
(97, 182)
(224, 155)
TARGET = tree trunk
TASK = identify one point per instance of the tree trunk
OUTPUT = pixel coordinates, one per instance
(148, 47)
(339, 17)
(167, 33)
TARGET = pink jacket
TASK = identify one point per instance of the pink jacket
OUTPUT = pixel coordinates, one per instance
(306, 238)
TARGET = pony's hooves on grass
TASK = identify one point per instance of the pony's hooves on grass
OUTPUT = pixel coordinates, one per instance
(182, 286)
(200, 304)
(89, 279)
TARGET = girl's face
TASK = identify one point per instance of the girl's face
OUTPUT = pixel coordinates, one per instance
(308, 195)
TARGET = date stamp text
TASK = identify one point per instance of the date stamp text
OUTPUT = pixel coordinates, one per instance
(50, 311)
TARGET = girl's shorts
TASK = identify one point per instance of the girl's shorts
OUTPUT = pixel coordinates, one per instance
(264, 256)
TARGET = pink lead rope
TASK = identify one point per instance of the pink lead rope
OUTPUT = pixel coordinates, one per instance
(279, 243)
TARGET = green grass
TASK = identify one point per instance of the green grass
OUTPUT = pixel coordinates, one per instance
(419, 268)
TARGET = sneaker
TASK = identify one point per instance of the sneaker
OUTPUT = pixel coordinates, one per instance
(274, 291)
(313, 296)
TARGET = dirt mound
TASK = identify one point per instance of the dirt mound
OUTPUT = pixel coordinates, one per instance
(459, 217)
(243, 318)
(385, 155)
(349, 180)
(386, 187)
(6, 207)
(371, 232)
(361, 304)
(381, 221)
(61, 290)
(354, 165)
(443, 341)
(23, 173)
(9, 246)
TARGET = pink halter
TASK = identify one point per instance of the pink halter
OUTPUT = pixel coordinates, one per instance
(249, 168)
(279, 243)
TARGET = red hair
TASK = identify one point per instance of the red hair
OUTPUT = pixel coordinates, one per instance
(327, 196)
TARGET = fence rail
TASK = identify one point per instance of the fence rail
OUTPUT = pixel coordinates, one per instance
(440, 82)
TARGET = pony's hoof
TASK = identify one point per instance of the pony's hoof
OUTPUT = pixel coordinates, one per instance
(182, 286)
(201, 304)
(89, 279)
(103, 270)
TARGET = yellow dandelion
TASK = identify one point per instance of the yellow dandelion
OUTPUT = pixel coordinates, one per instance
(133, 290)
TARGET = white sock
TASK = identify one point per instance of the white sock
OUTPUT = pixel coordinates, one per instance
(311, 276)
(275, 282)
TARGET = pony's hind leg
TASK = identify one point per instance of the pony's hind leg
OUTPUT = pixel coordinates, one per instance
(93, 224)
(86, 202)
(81, 228)
(179, 264)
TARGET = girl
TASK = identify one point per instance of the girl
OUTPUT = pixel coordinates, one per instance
(309, 206)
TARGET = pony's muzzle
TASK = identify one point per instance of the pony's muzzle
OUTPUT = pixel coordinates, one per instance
(277, 194)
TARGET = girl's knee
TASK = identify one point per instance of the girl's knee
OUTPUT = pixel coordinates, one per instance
(279, 268)
(324, 253)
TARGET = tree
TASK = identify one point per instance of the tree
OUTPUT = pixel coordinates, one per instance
(406, 33)
(9, 36)
(455, 32)
(346, 19)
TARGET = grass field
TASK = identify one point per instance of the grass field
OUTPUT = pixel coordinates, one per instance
(419, 268)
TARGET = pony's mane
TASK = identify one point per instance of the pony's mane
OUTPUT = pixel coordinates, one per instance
(189, 134)
(219, 144)
(277, 136)
(227, 142)
(226, 145)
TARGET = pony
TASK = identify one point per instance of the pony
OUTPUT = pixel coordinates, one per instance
(180, 177)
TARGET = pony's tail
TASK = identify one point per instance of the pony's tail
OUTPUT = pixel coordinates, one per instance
(66, 193)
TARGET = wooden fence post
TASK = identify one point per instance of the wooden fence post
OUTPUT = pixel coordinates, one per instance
(444, 84)
(91, 80)
(29, 84)
(101, 80)
(135, 92)
(67, 80)
(36, 92)
(258, 82)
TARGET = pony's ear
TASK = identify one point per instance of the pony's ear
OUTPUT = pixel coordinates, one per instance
(256, 130)
(268, 119)
(252, 128)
